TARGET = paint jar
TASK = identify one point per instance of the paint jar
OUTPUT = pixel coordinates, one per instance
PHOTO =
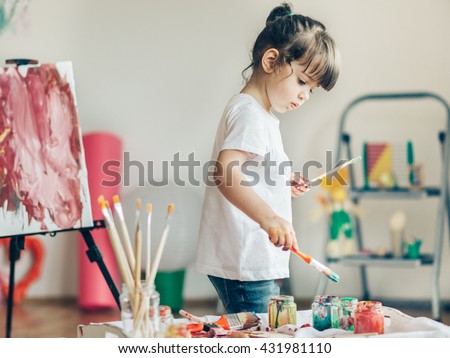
(343, 314)
(321, 311)
(282, 310)
(369, 317)
(154, 300)
(165, 314)
(128, 311)
(179, 330)
(165, 319)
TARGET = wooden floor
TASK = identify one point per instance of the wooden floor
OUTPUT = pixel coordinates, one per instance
(60, 318)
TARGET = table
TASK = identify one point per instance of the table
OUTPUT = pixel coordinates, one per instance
(397, 325)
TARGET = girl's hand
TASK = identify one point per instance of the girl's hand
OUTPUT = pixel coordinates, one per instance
(298, 185)
(281, 233)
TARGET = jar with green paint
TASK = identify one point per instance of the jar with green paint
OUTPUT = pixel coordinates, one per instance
(321, 311)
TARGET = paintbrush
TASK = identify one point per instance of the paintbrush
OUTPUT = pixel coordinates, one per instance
(141, 301)
(334, 170)
(162, 242)
(317, 265)
(126, 241)
(137, 267)
(121, 260)
(149, 241)
(230, 322)
(236, 321)
(207, 326)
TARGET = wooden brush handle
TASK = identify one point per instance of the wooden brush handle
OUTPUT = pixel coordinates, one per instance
(191, 316)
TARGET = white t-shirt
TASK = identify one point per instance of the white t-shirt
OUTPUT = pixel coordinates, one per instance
(231, 245)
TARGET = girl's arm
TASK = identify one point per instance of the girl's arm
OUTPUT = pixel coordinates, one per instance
(228, 178)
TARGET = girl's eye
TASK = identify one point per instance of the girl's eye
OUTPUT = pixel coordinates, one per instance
(301, 82)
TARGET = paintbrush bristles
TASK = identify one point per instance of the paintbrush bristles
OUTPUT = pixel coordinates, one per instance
(138, 204)
(101, 199)
(149, 208)
(325, 270)
(170, 209)
(317, 265)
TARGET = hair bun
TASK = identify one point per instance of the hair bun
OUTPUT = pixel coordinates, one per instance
(280, 11)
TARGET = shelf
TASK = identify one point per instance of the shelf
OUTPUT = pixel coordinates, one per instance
(360, 190)
(397, 193)
(372, 260)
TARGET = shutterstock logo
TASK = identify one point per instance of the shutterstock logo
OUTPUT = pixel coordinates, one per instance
(190, 171)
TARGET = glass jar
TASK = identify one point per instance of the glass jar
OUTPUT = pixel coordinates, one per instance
(154, 300)
(343, 314)
(131, 303)
(179, 330)
(369, 317)
(126, 311)
(282, 310)
(165, 314)
(321, 311)
(165, 319)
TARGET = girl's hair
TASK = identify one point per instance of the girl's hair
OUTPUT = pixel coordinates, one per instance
(298, 38)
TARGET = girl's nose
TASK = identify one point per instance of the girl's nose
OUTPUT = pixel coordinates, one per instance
(304, 94)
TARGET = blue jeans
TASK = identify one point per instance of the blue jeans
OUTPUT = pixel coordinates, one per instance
(245, 296)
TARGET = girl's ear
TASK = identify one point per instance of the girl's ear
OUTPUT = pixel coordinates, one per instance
(269, 60)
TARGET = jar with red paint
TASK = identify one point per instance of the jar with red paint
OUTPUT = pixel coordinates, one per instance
(369, 317)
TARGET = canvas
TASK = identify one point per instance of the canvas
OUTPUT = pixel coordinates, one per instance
(43, 178)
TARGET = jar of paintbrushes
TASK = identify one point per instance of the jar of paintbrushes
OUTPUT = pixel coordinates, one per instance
(139, 300)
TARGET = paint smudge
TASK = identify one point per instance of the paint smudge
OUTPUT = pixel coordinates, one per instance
(12, 14)
(40, 147)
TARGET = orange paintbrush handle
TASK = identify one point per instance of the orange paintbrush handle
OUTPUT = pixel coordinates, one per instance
(301, 255)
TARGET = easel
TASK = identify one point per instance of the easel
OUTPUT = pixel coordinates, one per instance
(17, 243)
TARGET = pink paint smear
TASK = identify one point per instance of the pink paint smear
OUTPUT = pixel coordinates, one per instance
(39, 146)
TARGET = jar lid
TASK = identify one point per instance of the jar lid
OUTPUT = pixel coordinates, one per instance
(368, 306)
(327, 299)
(349, 301)
(164, 311)
(282, 299)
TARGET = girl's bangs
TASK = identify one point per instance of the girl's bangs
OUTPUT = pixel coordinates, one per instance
(322, 66)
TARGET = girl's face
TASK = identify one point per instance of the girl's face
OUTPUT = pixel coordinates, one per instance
(289, 87)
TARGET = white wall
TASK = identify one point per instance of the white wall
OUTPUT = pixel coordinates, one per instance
(158, 73)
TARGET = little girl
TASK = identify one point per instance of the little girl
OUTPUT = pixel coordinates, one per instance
(246, 216)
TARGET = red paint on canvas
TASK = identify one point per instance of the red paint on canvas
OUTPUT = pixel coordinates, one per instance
(40, 146)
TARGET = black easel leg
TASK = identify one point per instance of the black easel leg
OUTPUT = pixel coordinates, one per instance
(16, 244)
(95, 255)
